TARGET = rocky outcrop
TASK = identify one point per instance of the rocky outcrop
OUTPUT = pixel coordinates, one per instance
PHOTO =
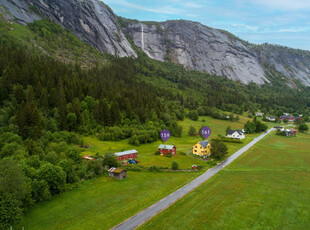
(91, 20)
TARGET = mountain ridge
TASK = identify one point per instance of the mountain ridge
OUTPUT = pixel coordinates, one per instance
(192, 44)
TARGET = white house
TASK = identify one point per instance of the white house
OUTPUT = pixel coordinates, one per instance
(280, 128)
(259, 114)
(237, 134)
(271, 118)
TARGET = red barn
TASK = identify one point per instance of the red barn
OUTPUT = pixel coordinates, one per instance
(126, 155)
(164, 149)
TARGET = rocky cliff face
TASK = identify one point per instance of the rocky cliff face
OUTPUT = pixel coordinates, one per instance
(217, 52)
(188, 43)
(198, 47)
(91, 20)
(293, 64)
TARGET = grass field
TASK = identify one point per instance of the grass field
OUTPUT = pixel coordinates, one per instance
(104, 202)
(146, 152)
(266, 188)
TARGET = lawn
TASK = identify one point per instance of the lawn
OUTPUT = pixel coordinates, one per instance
(266, 188)
(104, 202)
(146, 152)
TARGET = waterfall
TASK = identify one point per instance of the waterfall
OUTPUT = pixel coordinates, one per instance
(142, 37)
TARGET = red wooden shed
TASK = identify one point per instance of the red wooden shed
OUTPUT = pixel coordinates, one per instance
(164, 149)
(126, 155)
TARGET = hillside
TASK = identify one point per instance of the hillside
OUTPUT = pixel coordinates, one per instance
(191, 44)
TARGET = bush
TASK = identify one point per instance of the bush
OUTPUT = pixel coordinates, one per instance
(183, 153)
(191, 131)
(193, 115)
(218, 148)
(303, 127)
(168, 154)
(157, 153)
(174, 165)
(154, 168)
(280, 133)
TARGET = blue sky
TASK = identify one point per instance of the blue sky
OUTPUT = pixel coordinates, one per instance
(283, 22)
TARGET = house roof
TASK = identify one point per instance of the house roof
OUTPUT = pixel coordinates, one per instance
(230, 132)
(169, 147)
(88, 157)
(126, 152)
(278, 127)
(116, 170)
(204, 143)
(271, 117)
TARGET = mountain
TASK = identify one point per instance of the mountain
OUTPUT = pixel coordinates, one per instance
(191, 44)
(217, 52)
(91, 20)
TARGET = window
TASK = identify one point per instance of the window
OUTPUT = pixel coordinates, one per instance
(195, 146)
(200, 147)
(195, 151)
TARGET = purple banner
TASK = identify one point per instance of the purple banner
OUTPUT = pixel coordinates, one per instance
(205, 132)
(165, 135)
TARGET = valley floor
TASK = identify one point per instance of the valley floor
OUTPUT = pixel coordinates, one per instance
(266, 188)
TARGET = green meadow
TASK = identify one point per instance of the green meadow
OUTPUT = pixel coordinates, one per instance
(146, 152)
(266, 188)
(104, 202)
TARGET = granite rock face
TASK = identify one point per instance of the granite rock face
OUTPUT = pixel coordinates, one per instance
(217, 52)
(91, 20)
(191, 44)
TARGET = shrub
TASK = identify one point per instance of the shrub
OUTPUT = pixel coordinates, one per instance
(154, 168)
(174, 165)
(303, 127)
(219, 149)
(183, 153)
(157, 153)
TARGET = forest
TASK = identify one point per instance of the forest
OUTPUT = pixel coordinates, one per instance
(47, 105)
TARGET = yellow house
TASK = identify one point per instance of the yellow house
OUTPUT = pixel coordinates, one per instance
(202, 148)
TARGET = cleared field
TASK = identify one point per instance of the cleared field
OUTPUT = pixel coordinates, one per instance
(104, 202)
(266, 188)
(146, 151)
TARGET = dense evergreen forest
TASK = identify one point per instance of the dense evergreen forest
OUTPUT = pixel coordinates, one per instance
(46, 105)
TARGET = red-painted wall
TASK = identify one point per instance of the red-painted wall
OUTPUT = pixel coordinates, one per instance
(165, 151)
(126, 157)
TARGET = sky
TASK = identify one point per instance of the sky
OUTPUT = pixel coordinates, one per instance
(282, 22)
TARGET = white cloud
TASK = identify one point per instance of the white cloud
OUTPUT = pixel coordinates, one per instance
(286, 5)
(293, 30)
(161, 10)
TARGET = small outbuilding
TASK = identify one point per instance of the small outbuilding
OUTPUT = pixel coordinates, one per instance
(126, 155)
(117, 173)
(164, 149)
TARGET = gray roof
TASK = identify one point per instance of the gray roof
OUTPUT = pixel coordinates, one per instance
(204, 143)
(230, 132)
(169, 147)
(126, 152)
